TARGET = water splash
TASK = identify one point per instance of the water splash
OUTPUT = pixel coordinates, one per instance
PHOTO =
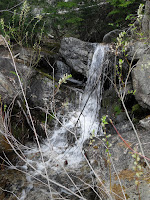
(84, 119)
(93, 94)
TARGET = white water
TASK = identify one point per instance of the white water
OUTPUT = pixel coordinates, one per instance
(93, 94)
(56, 149)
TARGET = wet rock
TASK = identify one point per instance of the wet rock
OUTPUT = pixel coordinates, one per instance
(12, 184)
(77, 54)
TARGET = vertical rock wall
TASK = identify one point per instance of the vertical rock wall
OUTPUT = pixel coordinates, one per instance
(146, 19)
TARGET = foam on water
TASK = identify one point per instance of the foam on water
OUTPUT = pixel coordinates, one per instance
(56, 149)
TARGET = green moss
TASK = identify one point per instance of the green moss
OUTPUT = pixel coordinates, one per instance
(135, 108)
(135, 120)
(117, 109)
(137, 111)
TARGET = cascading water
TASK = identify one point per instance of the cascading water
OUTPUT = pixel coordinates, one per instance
(93, 94)
(56, 149)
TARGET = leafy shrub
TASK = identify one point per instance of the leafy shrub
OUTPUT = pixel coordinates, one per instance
(23, 27)
(123, 11)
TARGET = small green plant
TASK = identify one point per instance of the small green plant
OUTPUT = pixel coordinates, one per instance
(108, 145)
(5, 107)
(117, 110)
(121, 42)
(136, 30)
(22, 27)
(62, 80)
(138, 170)
(132, 92)
(92, 138)
(121, 46)
(140, 12)
(119, 71)
(135, 108)
(25, 30)
(137, 112)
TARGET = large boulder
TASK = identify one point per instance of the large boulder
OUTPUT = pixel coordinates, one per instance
(41, 90)
(146, 19)
(37, 86)
(111, 36)
(137, 49)
(141, 81)
(9, 84)
(120, 166)
(77, 54)
(10, 91)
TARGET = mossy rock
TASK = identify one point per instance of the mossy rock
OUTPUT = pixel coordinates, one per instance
(139, 112)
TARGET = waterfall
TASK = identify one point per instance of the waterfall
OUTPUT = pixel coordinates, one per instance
(93, 94)
(82, 122)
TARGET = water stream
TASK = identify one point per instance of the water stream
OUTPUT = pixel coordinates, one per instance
(83, 121)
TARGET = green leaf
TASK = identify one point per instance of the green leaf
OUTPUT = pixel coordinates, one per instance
(12, 72)
(138, 174)
(139, 166)
(134, 155)
(138, 158)
(135, 163)
(136, 182)
(5, 106)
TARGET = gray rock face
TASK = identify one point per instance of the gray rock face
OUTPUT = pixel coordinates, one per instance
(37, 87)
(62, 69)
(111, 36)
(145, 123)
(137, 49)
(141, 81)
(9, 91)
(9, 84)
(122, 160)
(41, 89)
(77, 54)
(146, 19)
